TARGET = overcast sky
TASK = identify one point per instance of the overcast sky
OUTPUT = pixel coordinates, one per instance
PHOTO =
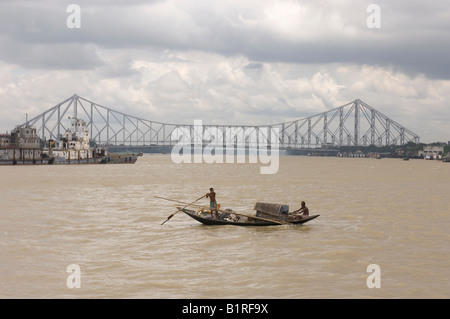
(241, 62)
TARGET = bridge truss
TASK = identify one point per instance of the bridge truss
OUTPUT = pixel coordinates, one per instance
(353, 124)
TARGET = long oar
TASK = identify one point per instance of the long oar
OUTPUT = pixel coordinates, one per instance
(233, 212)
(180, 209)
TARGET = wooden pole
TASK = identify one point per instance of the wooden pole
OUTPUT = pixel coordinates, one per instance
(180, 209)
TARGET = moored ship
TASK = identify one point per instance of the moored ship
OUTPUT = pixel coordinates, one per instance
(21, 146)
(24, 147)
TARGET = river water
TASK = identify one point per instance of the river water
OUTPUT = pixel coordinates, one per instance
(106, 220)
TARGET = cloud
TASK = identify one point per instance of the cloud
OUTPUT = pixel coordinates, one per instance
(50, 56)
(221, 90)
(227, 62)
(270, 31)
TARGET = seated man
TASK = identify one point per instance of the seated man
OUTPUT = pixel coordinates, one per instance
(302, 212)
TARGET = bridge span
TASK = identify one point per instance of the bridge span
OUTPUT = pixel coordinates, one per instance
(352, 124)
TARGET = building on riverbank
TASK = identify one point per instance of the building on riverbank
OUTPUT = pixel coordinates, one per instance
(432, 152)
(22, 144)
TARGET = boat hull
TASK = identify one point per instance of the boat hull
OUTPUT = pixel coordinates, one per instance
(215, 221)
(23, 162)
(109, 159)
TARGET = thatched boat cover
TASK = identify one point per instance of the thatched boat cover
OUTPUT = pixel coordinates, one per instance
(272, 211)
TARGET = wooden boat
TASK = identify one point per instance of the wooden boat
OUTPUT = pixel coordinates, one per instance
(240, 220)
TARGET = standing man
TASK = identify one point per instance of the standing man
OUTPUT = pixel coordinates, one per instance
(212, 201)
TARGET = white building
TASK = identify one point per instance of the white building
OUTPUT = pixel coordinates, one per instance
(432, 152)
(21, 144)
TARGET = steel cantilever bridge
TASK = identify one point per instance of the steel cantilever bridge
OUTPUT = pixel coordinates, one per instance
(352, 124)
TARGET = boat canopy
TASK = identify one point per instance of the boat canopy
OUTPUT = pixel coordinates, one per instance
(278, 212)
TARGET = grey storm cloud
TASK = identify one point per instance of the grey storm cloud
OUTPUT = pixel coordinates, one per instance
(229, 61)
(414, 36)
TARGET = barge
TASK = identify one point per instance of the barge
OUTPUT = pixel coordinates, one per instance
(23, 147)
